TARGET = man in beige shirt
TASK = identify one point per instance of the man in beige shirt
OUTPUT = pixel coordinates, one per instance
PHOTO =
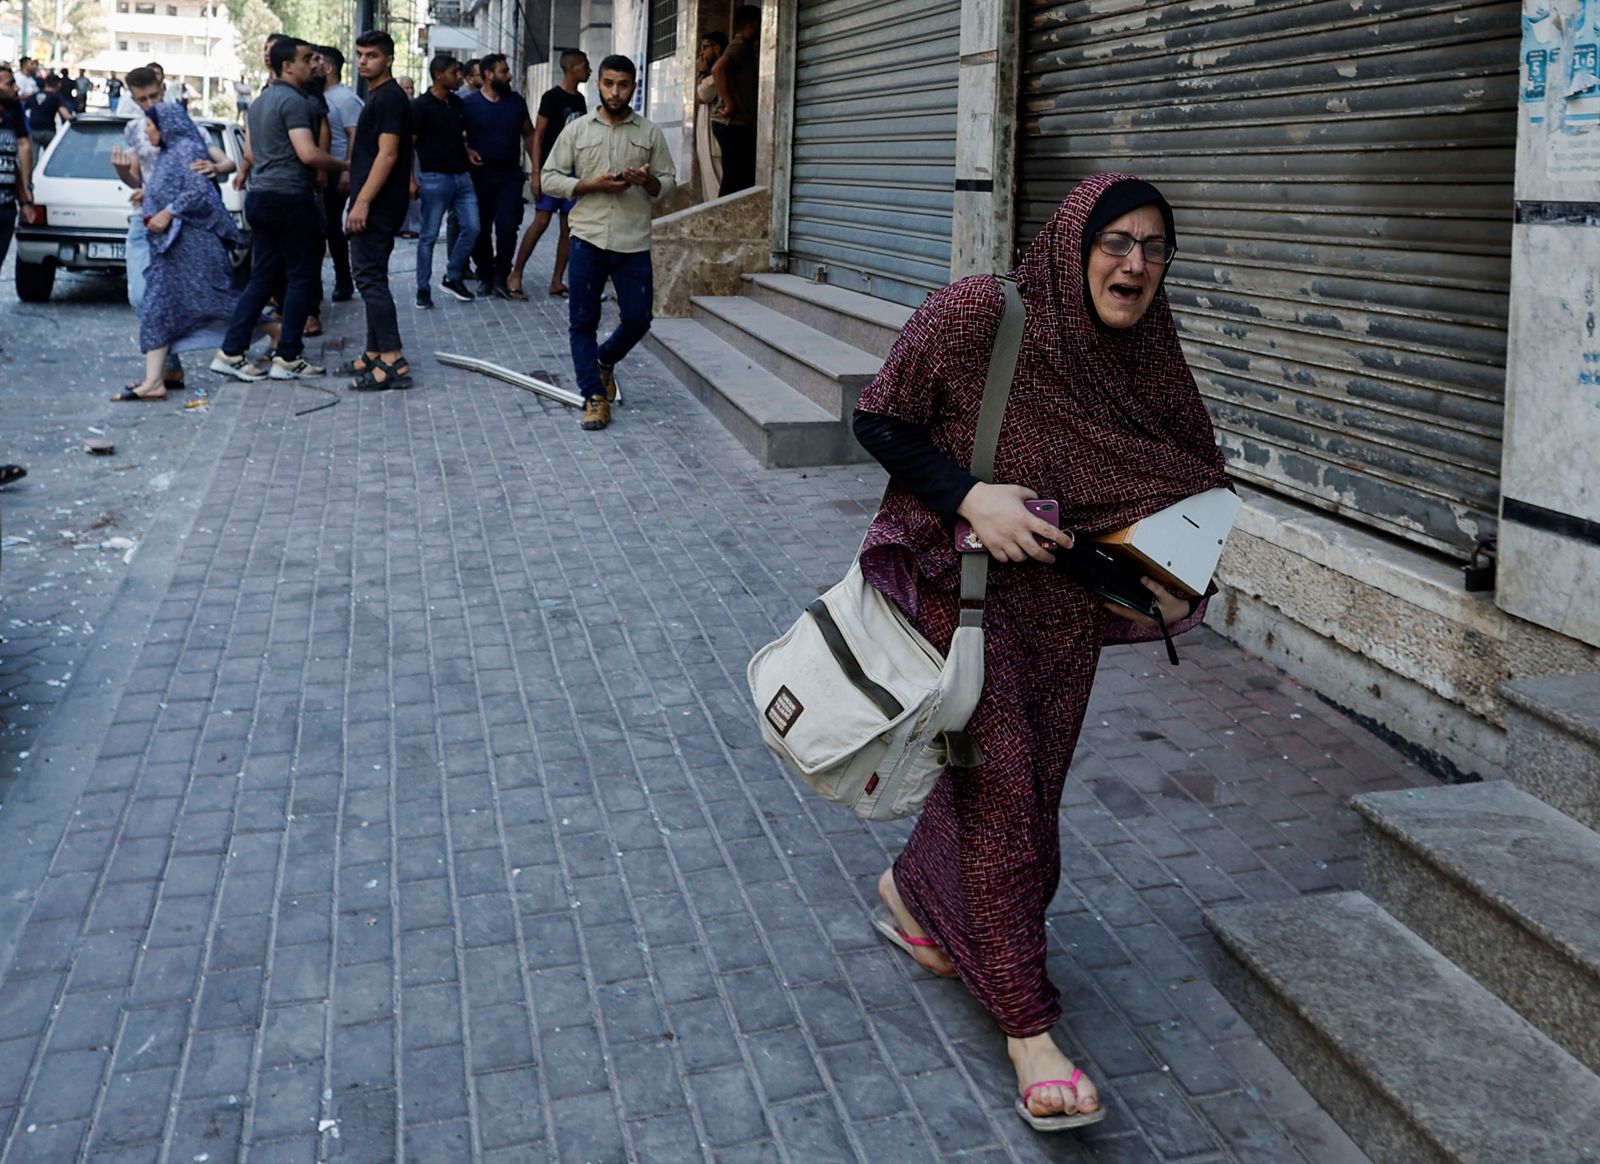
(614, 163)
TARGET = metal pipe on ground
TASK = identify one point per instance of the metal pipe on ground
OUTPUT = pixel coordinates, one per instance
(526, 383)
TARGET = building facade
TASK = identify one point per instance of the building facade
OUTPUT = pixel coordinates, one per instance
(1384, 286)
(192, 39)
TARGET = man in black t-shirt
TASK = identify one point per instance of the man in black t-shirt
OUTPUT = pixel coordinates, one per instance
(560, 106)
(380, 186)
(16, 160)
(46, 109)
(500, 128)
(444, 180)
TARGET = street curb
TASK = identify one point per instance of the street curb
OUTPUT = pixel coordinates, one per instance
(36, 814)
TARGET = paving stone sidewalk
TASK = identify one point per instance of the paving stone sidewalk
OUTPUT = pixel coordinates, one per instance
(67, 524)
(431, 824)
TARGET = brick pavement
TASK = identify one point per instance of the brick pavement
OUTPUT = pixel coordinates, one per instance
(431, 824)
(58, 361)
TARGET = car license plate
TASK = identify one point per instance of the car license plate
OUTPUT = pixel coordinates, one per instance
(107, 250)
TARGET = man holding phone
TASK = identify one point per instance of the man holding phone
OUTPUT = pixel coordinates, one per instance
(615, 163)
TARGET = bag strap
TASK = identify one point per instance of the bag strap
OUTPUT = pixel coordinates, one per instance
(996, 391)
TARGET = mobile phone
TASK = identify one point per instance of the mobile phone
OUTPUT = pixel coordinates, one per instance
(968, 542)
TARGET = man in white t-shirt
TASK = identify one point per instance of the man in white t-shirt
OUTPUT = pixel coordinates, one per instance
(27, 78)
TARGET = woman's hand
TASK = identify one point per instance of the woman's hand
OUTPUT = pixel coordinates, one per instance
(1173, 608)
(159, 222)
(1008, 531)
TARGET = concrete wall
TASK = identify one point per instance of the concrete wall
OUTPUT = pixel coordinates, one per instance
(985, 199)
(705, 249)
(595, 34)
(1550, 525)
(1382, 629)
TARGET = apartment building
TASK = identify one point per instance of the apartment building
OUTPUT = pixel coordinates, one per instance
(193, 39)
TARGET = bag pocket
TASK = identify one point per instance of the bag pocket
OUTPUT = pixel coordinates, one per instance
(808, 716)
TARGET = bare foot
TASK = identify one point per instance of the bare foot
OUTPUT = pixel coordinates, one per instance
(930, 957)
(1038, 1059)
(139, 390)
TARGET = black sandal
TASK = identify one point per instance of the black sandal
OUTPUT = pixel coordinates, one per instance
(128, 394)
(10, 473)
(355, 367)
(393, 377)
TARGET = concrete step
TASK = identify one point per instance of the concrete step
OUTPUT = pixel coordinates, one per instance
(1417, 1061)
(859, 320)
(1553, 742)
(824, 369)
(777, 424)
(1505, 887)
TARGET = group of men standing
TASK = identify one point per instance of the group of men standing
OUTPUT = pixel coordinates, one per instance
(315, 153)
(596, 173)
(470, 150)
(290, 132)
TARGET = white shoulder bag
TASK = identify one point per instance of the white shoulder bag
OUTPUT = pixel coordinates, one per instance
(852, 699)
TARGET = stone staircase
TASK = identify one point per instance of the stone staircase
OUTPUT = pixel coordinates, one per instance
(1450, 1011)
(782, 364)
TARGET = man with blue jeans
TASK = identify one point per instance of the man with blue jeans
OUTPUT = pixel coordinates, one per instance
(614, 163)
(444, 180)
(280, 204)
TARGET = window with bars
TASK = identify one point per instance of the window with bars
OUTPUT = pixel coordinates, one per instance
(663, 28)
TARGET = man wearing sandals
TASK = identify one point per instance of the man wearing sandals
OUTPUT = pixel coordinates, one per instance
(614, 163)
(380, 180)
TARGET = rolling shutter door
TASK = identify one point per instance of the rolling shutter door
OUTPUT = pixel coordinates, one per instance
(874, 168)
(1342, 176)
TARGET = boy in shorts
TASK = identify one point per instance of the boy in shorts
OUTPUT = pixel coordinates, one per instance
(560, 106)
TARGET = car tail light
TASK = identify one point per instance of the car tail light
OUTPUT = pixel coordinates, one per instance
(35, 215)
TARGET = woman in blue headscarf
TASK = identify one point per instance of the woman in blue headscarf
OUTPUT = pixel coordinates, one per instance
(189, 295)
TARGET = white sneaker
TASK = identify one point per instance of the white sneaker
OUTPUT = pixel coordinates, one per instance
(283, 369)
(239, 367)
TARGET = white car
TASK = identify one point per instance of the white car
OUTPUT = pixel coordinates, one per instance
(79, 217)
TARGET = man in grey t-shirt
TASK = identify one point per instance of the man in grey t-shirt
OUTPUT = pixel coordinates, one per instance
(280, 199)
(344, 110)
(272, 117)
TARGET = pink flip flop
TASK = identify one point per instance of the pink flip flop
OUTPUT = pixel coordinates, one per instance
(1058, 1123)
(883, 921)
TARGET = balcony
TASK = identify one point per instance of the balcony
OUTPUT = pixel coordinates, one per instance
(124, 25)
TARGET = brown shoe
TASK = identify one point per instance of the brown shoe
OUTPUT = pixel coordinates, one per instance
(596, 413)
(608, 381)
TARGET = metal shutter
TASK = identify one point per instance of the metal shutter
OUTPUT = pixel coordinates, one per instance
(1342, 175)
(875, 144)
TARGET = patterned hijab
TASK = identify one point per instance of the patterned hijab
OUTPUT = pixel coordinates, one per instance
(171, 183)
(1107, 421)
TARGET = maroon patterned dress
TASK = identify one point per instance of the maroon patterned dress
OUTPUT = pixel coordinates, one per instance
(1109, 423)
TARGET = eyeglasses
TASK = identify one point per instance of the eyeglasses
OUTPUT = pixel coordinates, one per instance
(1156, 249)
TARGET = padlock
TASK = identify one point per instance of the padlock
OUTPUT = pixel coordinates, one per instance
(1478, 573)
